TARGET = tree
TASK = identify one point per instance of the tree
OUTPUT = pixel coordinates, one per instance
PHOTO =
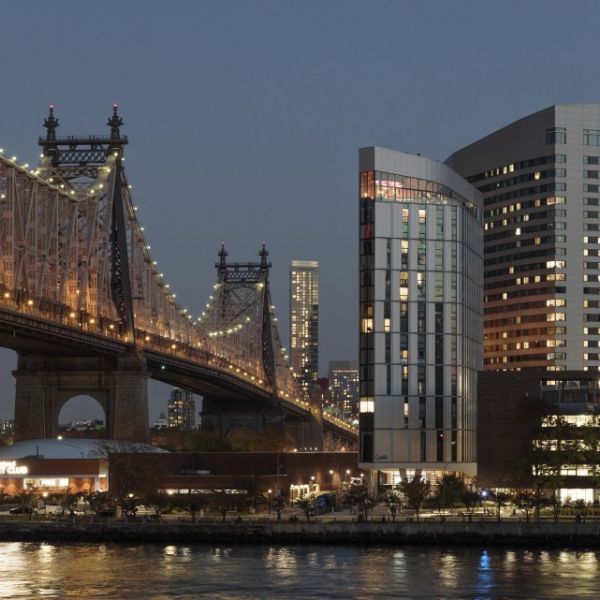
(359, 498)
(306, 505)
(590, 448)
(225, 501)
(581, 509)
(28, 499)
(556, 505)
(100, 501)
(204, 441)
(470, 500)
(68, 500)
(500, 499)
(271, 439)
(416, 492)
(393, 501)
(190, 503)
(526, 502)
(276, 504)
(132, 469)
(449, 491)
(557, 444)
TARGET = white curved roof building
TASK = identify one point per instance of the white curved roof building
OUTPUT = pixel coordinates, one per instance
(71, 448)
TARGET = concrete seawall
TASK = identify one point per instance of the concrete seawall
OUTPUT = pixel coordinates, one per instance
(481, 534)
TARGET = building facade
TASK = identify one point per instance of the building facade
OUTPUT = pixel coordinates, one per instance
(343, 385)
(553, 446)
(182, 410)
(539, 177)
(420, 318)
(304, 321)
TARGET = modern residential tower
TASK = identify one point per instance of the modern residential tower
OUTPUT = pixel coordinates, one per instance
(420, 316)
(304, 320)
(182, 410)
(539, 177)
(343, 385)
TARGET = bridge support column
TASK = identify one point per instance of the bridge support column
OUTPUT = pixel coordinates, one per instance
(307, 431)
(243, 416)
(44, 384)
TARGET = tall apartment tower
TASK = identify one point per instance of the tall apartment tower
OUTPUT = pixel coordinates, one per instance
(421, 272)
(539, 177)
(182, 410)
(343, 384)
(304, 320)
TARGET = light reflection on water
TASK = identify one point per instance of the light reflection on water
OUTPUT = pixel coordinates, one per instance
(183, 572)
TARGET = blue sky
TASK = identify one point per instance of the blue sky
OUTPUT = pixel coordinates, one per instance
(245, 118)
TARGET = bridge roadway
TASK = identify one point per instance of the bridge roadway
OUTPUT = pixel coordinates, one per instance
(176, 364)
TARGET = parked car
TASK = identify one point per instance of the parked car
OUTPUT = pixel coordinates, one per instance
(143, 510)
(21, 510)
(82, 508)
(48, 509)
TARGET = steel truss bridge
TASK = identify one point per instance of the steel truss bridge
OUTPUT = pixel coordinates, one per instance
(87, 310)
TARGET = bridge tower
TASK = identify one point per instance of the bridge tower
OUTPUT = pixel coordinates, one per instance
(241, 321)
(44, 382)
(242, 295)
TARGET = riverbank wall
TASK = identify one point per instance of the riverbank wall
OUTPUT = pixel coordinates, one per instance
(513, 534)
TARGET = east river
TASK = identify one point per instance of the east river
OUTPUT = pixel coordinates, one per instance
(152, 572)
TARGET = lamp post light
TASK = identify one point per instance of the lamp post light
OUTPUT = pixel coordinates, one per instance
(484, 495)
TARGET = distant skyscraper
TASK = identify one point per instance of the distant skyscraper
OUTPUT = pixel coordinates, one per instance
(540, 178)
(182, 410)
(304, 320)
(343, 385)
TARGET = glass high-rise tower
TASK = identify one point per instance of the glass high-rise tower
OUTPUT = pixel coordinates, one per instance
(304, 320)
(343, 385)
(420, 322)
(540, 180)
(182, 410)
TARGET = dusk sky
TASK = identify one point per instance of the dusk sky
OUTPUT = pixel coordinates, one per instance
(245, 118)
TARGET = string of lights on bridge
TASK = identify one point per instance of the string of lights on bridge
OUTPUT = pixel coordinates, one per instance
(159, 277)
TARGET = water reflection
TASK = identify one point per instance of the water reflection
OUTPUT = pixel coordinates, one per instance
(485, 576)
(448, 571)
(157, 572)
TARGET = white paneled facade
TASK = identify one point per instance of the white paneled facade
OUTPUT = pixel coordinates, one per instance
(421, 274)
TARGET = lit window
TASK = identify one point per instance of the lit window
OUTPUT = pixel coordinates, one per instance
(366, 326)
(367, 405)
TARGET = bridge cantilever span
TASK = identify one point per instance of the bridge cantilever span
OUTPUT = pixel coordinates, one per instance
(77, 280)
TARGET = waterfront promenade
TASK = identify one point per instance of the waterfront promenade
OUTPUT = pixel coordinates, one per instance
(508, 533)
